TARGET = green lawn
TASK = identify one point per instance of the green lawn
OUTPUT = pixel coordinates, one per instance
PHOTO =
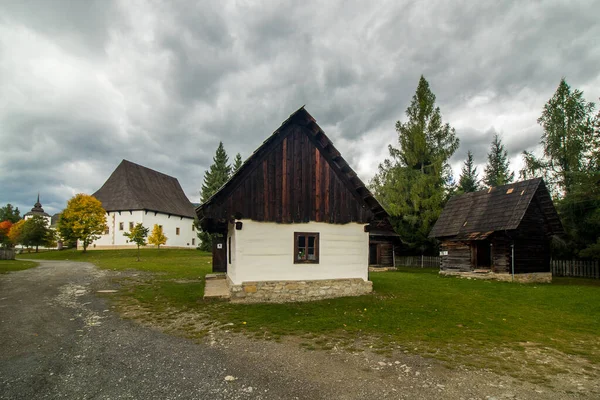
(412, 309)
(7, 266)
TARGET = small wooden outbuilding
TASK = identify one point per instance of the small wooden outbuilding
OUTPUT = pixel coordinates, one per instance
(502, 232)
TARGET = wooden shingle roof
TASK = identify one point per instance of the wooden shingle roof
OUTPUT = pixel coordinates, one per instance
(473, 216)
(135, 187)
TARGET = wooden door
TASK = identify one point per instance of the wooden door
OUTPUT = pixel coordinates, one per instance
(219, 254)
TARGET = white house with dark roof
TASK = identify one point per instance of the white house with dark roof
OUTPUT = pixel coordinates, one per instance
(135, 194)
(294, 220)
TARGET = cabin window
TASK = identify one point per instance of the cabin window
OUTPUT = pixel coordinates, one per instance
(106, 231)
(306, 248)
(130, 225)
(177, 231)
(120, 226)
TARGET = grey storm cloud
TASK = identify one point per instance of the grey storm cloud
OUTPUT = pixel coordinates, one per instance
(84, 84)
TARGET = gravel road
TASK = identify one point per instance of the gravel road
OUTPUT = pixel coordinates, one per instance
(60, 340)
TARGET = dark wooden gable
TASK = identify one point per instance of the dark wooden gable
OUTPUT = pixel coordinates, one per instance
(297, 175)
(473, 216)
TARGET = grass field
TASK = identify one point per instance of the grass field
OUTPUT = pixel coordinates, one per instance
(412, 309)
(7, 266)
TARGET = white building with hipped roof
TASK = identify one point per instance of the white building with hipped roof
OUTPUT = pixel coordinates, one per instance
(135, 194)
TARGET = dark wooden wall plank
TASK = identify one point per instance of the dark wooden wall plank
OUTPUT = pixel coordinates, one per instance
(294, 182)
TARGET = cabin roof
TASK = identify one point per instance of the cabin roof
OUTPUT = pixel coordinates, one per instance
(302, 118)
(134, 187)
(474, 216)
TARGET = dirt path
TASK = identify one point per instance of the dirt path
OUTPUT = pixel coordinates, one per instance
(59, 339)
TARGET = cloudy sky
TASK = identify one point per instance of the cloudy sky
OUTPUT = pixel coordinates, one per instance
(85, 84)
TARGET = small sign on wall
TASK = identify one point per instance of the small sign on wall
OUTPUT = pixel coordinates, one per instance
(219, 245)
(444, 253)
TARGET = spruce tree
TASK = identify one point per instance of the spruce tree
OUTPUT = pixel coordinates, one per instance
(216, 176)
(497, 171)
(468, 181)
(412, 184)
(218, 173)
(237, 162)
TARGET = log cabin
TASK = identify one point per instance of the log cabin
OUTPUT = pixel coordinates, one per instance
(499, 233)
(294, 220)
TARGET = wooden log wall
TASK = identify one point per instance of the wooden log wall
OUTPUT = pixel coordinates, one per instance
(458, 258)
(532, 244)
(501, 253)
(294, 182)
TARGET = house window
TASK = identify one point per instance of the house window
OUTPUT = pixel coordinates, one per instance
(130, 225)
(177, 231)
(193, 242)
(120, 226)
(306, 248)
(193, 227)
(106, 231)
(229, 249)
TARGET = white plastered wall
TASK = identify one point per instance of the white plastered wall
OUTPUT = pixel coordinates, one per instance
(264, 251)
(187, 236)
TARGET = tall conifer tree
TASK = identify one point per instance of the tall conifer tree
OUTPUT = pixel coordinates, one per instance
(216, 176)
(412, 183)
(497, 171)
(468, 181)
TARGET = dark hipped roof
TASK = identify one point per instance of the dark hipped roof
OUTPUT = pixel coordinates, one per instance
(340, 166)
(474, 216)
(134, 187)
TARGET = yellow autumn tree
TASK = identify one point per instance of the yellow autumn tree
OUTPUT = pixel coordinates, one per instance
(157, 237)
(16, 232)
(84, 219)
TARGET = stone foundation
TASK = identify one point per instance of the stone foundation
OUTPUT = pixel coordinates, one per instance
(535, 277)
(286, 291)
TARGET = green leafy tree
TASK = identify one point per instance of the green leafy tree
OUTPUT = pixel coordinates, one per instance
(157, 237)
(84, 219)
(468, 181)
(216, 176)
(497, 171)
(237, 162)
(414, 182)
(569, 140)
(8, 213)
(138, 235)
(570, 165)
(35, 232)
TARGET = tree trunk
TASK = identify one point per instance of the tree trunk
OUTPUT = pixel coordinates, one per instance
(36, 248)
(138, 253)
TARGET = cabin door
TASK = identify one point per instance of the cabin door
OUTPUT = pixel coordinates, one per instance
(373, 256)
(219, 254)
(483, 254)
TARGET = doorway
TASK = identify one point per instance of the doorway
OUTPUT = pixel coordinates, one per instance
(483, 254)
(219, 254)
